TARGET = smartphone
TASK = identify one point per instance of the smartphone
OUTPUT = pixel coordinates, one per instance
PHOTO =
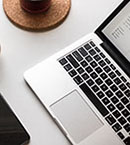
(12, 131)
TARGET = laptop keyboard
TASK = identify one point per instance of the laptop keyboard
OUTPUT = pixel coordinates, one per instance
(103, 84)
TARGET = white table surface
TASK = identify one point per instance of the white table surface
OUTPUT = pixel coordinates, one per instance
(22, 50)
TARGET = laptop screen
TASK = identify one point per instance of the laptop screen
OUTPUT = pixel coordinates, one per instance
(118, 31)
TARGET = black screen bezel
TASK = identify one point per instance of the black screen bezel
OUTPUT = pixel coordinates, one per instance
(120, 58)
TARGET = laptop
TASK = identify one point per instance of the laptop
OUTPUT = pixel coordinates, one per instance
(86, 86)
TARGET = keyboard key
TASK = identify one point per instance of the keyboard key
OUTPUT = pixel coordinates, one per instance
(72, 73)
(78, 80)
(72, 61)
(127, 141)
(92, 43)
(94, 100)
(114, 100)
(102, 63)
(127, 127)
(95, 88)
(114, 88)
(80, 70)
(90, 82)
(109, 82)
(93, 64)
(104, 87)
(99, 81)
(94, 75)
(112, 75)
(125, 112)
(110, 119)
(111, 107)
(122, 120)
(102, 55)
(123, 87)
(98, 70)
(117, 114)
(89, 58)
(83, 51)
(97, 49)
(120, 106)
(84, 63)
(103, 76)
(118, 73)
(120, 134)
(107, 69)
(117, 127)
(105, 101)
(107, 60)
(92, 52)
(87, 46)
(125, 100)
(123, 79)
(127, 93)
(77, 56)
(119, 94)
(112, 66)
(67, 67)
(85, 76)
(89, 69)
(100, 94)
(63, 61)
(117, 81)
(109, 93)
(97, 57)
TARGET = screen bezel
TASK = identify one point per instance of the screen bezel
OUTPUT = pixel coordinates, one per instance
(120, 58)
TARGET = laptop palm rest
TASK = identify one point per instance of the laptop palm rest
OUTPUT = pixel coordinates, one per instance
(76, 116)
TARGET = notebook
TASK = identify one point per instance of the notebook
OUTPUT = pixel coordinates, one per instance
(86, 86)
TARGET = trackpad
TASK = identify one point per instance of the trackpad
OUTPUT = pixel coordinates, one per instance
(76, 116)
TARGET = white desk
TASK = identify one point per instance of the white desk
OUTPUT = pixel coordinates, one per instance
(22, 49)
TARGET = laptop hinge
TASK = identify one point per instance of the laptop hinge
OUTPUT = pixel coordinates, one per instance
(118, 57)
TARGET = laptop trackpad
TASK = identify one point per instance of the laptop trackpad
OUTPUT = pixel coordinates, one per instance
(76, 116)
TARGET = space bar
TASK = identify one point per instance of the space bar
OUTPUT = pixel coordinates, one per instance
(92, 97)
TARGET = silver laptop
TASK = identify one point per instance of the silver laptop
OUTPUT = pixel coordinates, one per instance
(86, 86)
